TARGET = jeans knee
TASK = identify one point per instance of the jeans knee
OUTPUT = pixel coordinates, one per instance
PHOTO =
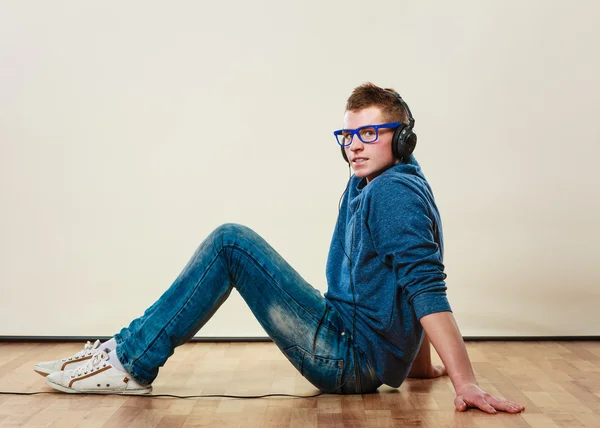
(229, 234)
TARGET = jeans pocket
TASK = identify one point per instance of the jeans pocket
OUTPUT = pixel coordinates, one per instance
(324, 373)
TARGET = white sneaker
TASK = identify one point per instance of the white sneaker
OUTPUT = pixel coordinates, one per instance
(70, 363)
(97, 376)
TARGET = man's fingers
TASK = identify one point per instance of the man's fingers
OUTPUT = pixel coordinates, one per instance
(483, 404)
(460, 404)
(463, 404)
(486, 402)
(439, 371)
(517, 405)
(504, 405)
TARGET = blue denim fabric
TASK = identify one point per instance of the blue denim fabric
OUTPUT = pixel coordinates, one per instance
(295, 315)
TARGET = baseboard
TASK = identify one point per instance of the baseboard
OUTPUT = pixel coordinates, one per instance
(103, 338)
(268, 339)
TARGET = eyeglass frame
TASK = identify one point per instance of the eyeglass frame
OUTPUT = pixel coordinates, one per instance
(356, 131)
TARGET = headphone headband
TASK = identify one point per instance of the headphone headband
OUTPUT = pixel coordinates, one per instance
(411, 119)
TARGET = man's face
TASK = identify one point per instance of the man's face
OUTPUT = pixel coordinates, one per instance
(369, 160)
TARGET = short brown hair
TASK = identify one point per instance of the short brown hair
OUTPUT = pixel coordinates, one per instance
(370, 95)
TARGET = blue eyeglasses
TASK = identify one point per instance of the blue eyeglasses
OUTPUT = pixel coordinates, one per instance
(367, 134)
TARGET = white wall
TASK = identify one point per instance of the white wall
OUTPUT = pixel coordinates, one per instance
(130, 130)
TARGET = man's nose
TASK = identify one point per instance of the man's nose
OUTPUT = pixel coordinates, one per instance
(356, 144)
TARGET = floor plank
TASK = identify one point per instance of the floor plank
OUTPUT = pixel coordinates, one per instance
(558, 382)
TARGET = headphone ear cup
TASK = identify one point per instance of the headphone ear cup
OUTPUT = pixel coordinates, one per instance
(344, 155)
(397, 141)
(403, 142)
(410, 142)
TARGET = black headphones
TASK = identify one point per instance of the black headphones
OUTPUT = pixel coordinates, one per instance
(404, 139)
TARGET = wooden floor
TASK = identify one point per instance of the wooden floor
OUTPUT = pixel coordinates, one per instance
(558, 382)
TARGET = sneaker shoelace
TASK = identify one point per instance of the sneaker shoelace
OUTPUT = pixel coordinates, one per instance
(91, 365)
(87, 350)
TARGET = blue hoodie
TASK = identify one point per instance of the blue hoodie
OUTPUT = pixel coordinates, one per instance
(392, 231)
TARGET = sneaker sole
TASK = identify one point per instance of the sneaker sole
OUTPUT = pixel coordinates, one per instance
(122, 392)
(41, 371)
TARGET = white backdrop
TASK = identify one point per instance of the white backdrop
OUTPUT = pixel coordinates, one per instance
(130, 130)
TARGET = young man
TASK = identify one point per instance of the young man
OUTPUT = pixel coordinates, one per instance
(386, 295)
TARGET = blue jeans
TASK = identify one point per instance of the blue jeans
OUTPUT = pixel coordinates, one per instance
(295, 315)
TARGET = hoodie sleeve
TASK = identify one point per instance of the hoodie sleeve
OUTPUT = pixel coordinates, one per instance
(401, 228)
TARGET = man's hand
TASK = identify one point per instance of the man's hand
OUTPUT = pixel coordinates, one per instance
(430, 373)
(445, 336)
(471, 395)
